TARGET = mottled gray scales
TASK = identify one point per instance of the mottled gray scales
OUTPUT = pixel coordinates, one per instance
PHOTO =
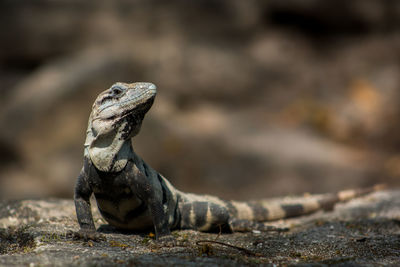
(131, 195)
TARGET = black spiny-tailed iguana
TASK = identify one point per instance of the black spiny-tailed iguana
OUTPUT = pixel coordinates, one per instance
(131, 195)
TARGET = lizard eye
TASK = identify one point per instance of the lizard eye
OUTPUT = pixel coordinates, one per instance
(116, 91)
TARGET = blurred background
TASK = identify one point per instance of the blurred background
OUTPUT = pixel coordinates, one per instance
(255, 98)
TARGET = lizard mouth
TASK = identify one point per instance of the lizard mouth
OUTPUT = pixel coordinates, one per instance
(139, 110)
(131, 107)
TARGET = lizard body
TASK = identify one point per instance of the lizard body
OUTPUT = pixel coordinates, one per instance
(131, 195)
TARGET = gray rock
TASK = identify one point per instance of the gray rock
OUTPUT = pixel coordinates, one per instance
(363, 231)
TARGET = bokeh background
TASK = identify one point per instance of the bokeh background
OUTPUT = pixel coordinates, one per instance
(255, 99)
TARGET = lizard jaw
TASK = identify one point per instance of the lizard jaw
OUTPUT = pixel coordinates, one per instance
(122, 99)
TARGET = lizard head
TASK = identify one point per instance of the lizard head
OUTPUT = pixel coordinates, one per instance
(117, 116)
(121, 104)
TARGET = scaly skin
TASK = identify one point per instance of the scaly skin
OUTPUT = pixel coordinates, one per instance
(131, 195)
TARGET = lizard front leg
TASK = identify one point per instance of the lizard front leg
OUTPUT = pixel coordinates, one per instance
(83, 209)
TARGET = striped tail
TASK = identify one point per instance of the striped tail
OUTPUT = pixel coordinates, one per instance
(274, 209)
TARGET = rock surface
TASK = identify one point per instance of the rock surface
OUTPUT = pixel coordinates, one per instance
(363, 231)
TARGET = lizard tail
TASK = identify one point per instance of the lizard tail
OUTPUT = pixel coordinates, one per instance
(274, 209)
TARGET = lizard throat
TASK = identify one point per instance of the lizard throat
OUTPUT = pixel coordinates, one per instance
(110, 152)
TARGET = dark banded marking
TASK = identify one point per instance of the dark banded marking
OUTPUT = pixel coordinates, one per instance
(200, 210)
(292, 210)
(260, 213)
(231, 208)
(186, 210)
(126, 131)
(176, 217)
(146, 169)
(164, 190)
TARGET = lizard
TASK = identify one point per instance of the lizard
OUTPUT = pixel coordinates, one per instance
(131, 195)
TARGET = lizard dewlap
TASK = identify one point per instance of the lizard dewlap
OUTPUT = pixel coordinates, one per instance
(131, 195)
